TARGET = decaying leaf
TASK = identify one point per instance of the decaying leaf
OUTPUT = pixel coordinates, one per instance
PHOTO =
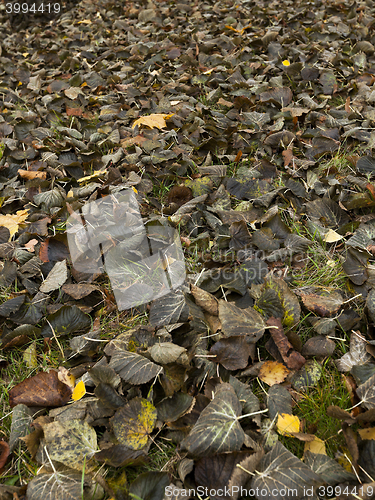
(134, 368)
(357, 354)
(64, 485)
(323, 305)
(56, 277)
(70, 442)
(293, 359)
(327, 468)
(272, 372)
(316, 446)
(134, 422)
(236, 321)
(44, 389)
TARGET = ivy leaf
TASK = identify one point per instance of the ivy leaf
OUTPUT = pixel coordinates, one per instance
(366, 392)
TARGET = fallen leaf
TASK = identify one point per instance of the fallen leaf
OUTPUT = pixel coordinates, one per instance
(70, 442)
(31, 174)
(12, 222)
(79, 391)
(4, 453)
(317, 446)
(66, 377)
(272, 372)
(44, 389)
(293, 359)
(286, 424)
(133, 423)
(155, 120)
(30, 245)
(368, 433)
(332, 237)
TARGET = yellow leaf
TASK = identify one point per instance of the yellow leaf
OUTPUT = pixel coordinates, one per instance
(85, 21)
(96, 174)
(286, 63)
(273, 372)
(156, 120)
(133, 423)
(133, 188)
(13, 221)
(287, 424)
(317, 446)
(331, 236)
(345, 460)
(368, 433)
(29, 356)
(79, 391)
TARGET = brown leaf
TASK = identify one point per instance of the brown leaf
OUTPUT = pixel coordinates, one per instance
(323, 305)
(78, 291)
(205, 300)
(293, 359)
(340, 414)
(4, 453)
(29, 174)
(233, 353)
(44, 389)
(179, 195)
(53, 249)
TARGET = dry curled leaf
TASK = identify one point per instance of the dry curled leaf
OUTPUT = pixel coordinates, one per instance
(156, 120)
